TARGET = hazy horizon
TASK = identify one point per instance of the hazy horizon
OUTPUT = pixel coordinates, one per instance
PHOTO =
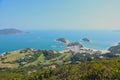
(60, 14)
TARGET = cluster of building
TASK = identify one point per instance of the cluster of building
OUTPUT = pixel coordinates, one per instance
(84, 50)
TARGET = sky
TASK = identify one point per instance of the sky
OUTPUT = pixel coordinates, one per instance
(60, 14)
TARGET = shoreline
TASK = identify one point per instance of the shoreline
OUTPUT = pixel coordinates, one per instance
(64, 50)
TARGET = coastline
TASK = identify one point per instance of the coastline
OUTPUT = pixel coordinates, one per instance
(46, 41)
(103, 51)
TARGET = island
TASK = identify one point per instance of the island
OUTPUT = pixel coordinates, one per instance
(86, 40)
(63, 40)
(11, 31)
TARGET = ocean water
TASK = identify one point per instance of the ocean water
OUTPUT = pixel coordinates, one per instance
(45, 39)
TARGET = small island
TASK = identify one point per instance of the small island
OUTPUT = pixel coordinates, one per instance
(86, 40)
(62, 40)
(11, 31)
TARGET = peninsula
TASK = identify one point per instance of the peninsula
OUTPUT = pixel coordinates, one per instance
(115, 49)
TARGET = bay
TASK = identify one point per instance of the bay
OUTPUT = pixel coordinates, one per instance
(45, 39)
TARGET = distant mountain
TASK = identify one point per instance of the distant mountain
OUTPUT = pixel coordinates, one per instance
(11, 31)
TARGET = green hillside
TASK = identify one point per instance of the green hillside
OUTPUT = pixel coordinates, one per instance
(30, 57)
(95, 70)
(31, 64)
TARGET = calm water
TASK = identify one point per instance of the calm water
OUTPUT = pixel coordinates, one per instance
(45, 39)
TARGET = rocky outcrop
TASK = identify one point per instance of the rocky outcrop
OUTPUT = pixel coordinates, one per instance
(115, 49)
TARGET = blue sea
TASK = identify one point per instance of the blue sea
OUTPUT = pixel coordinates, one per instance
(45, 39)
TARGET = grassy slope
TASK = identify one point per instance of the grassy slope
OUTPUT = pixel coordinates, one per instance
(40, 59)
(8, 65)
(15, 56)
(9, 59)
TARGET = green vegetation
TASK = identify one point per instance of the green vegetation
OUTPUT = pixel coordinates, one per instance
(30, 64)
(29, 57)
(95, 70)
